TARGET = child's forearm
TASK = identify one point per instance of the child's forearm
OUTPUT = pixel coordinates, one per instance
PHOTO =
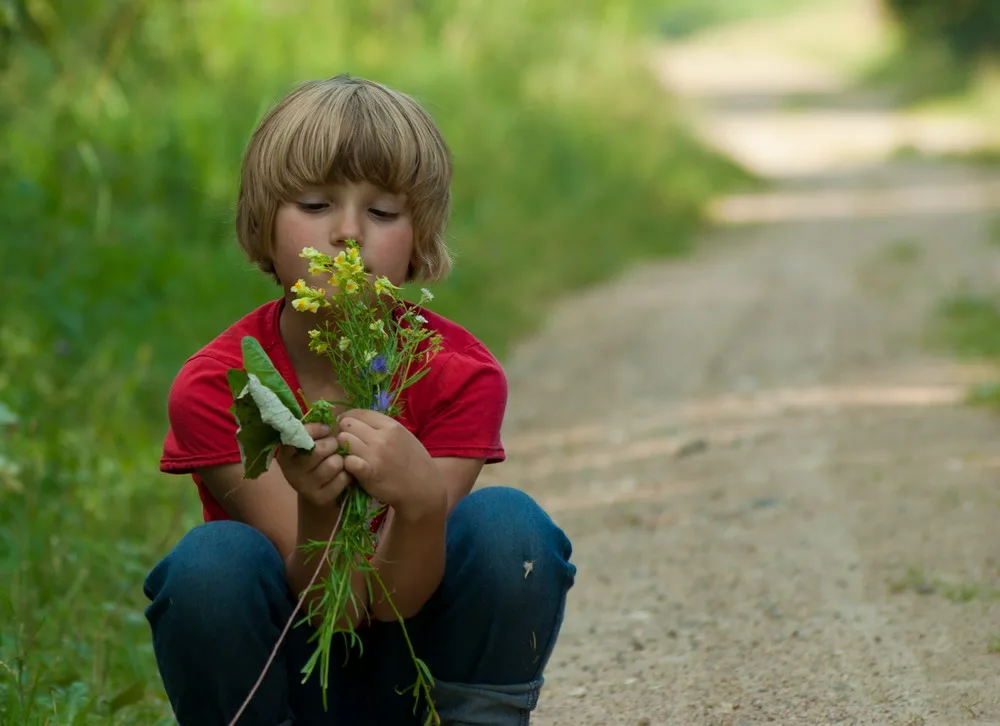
(410, 561)
(300, 566)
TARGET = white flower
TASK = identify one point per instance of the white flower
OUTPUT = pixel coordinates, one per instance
(420, 319)
(426, 294)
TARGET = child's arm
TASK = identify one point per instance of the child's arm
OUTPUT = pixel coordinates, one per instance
(411, 554)
(286, 517)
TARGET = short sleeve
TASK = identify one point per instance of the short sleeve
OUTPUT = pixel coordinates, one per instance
(465, 414)
(202, 427)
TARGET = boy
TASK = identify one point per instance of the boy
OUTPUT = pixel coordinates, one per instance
(335, 160)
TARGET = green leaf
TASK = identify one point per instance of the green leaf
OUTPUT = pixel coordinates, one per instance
(256, 362)
(264, 423)
(238, 380)
(257, 440)
(275, 412)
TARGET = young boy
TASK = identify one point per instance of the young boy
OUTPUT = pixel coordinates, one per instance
(480, 577)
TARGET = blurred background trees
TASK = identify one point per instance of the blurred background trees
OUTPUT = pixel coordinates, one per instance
(968, 29)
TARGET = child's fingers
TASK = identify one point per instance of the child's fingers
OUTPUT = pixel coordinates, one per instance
(317, 430)
(362, 426)
(357, 467)
(355, 444)
(322, 448)
(327, 470)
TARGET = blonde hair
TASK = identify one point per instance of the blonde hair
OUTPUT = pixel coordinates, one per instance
(347, 129)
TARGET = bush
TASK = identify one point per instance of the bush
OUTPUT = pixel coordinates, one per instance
(968, 29)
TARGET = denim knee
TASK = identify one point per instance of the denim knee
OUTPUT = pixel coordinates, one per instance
(509, 549)
(507, 578)
(216, 570)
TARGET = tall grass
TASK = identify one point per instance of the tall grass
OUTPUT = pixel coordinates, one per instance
(121, 127)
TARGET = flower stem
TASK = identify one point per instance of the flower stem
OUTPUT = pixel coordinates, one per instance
(291, 620)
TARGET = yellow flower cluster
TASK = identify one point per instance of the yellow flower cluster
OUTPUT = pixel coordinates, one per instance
(347, 272)
(310, 299)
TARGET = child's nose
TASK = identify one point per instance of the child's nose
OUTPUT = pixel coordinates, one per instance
(348, 227)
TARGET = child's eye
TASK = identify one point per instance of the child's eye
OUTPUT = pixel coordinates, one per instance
(312, 206)
(383, 214)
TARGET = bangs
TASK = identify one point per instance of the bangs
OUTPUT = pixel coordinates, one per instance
(354, 135)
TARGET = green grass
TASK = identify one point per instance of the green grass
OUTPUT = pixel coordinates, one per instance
(121, 129)
(969, 325)
(917, 581)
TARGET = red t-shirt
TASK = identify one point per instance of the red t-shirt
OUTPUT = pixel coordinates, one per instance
(455, 410)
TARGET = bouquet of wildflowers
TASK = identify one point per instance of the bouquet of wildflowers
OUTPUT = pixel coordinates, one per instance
(377, 346)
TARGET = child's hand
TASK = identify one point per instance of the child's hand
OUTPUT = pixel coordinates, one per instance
(318, 475)
(391, 464)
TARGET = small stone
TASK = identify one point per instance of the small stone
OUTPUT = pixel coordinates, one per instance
(691, 448)
(639, 615)
(578, 692)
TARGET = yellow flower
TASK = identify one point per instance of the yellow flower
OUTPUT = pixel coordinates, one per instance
(344, 343)
(311, 253)
(383, 286)
(316, 268)
(304, 305)
(350, 287)
(314, 334)
(300, 287)
(370, 356)
(378, 326)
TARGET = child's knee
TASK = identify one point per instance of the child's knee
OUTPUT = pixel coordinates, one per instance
(502, 541)
(215, 569)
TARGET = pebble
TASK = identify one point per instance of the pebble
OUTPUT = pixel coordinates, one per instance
(578, 692)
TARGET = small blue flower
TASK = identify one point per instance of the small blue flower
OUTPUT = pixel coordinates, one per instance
(383, 400)
(378, 364)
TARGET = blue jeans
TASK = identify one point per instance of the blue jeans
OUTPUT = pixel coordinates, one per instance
(219, 600)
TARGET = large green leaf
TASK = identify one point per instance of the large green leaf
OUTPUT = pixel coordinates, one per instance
(238, 380)
(257, 440)
(274, 412)
(264, 423)
(257, 362)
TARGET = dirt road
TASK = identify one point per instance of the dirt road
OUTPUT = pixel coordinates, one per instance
(781, 511)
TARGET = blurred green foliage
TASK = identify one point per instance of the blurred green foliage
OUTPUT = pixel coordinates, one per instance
(941, 47)
(122, 123)
(968, 29)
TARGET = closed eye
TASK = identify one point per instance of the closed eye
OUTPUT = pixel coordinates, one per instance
(312, 206)
(381, 214)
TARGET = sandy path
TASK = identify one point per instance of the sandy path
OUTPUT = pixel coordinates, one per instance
(780, 509)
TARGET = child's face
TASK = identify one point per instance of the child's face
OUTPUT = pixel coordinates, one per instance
(325, 217)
